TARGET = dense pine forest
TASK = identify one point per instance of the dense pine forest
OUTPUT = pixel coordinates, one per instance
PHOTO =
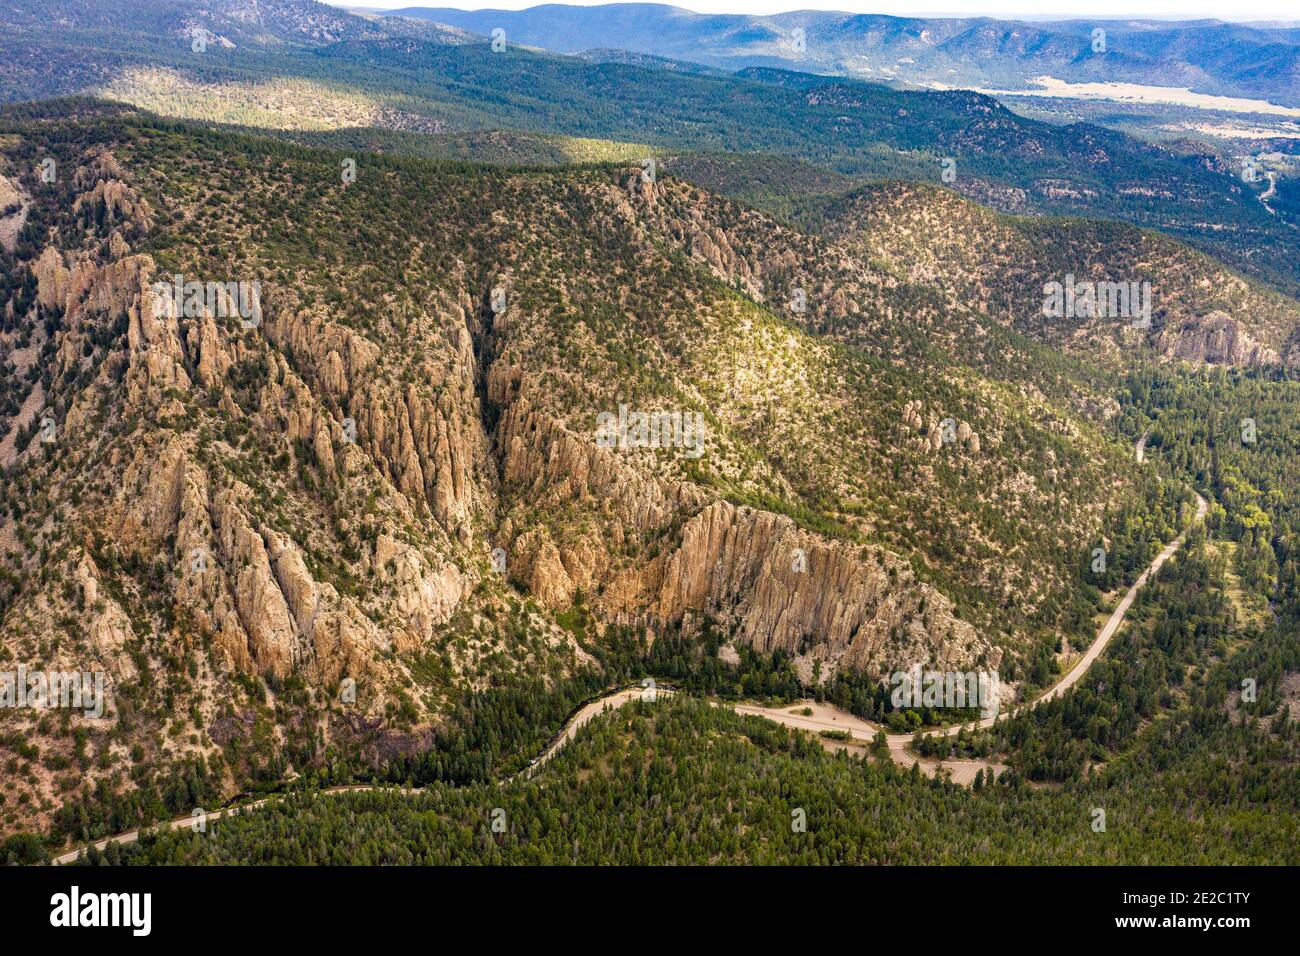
(678, 781)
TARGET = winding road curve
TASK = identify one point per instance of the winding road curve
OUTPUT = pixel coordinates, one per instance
(823, 717)
(831, 718)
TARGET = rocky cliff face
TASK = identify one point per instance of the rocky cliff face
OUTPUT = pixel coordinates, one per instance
(417, 453)
(268, 503)
(425, 436)
(816, 600)
(1214, 339)
(770, 584)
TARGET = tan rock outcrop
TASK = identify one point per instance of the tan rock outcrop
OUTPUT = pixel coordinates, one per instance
(263, 611)
(120, 202)
(424, 598)
(108, 629)
(734, 565)
(427, 440)
(784, 588)
(1216, 339)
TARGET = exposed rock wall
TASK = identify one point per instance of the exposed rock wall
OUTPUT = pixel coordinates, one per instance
(774, 585)
(1214, 339)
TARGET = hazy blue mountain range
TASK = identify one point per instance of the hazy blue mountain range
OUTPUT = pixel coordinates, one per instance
(1205, 55)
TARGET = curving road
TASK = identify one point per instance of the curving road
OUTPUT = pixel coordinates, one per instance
(832, 718)
(185, 822)
(583, 717)
(823, 716)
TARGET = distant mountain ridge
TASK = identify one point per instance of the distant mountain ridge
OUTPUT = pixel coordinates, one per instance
(301, 66)
(1208, 56)
(222, 23)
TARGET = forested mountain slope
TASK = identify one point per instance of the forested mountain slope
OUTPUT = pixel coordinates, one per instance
(1201, 311)
(392, 483)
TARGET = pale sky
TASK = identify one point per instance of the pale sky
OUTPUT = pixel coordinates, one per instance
(1028, 9)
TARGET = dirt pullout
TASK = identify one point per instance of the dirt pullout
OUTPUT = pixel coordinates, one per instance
(826, 717)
